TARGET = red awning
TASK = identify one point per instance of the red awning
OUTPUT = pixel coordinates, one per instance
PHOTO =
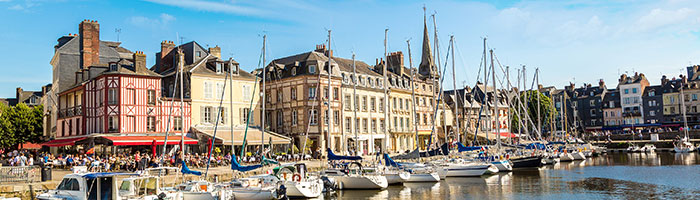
(30, 145)
(62, 142)
(507, 134)
(146, 140)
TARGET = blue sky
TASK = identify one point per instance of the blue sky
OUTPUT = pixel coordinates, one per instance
(588, 40)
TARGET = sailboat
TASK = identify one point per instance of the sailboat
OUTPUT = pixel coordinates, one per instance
(351, 175)
(683, 145)
(298, 182)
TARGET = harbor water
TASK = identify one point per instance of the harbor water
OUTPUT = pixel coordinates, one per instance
(661, 175)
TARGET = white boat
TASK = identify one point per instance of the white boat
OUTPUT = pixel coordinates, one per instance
(104, 185)
(259, 187)
(420, 173)
(503, 165)
(683, 146)
(550, 160)
(578, 155)
(648, 148)
(462, 169)
(297, 181)
(565, 157)
(202, 190)
(633, 148)
(356, 179)
(396, 176)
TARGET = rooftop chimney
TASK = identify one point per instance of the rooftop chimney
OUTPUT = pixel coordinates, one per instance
(139, 62)
(18, 93)
(215, 51)
(395, 62)
(165, 48)
(664, 80)
(89, 43)
(601, 83)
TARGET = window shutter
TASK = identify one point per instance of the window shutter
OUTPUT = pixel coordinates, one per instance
(201, 115)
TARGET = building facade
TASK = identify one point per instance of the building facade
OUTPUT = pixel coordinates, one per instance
(631, 90)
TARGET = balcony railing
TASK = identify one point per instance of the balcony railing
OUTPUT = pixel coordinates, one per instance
(70, 112)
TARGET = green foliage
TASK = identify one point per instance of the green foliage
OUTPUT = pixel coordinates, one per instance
(547, 111)
(20, 124)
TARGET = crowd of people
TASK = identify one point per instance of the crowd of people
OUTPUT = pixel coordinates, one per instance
(124, 161)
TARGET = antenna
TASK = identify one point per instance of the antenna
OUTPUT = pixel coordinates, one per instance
(118, 31)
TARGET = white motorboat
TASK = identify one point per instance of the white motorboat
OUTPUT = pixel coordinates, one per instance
(355, 178)
(683, 146)
(565, 157)
(396, 176)
(503, 165)
(297, 181)
(103, 185)
(578, 155)
(202, 190)
(550, 160)
(648, 148)
(259, 187)
(420, 173)
(633, 148)
(459, 168)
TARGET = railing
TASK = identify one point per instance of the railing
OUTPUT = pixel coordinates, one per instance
(70, 112)
(19, 174)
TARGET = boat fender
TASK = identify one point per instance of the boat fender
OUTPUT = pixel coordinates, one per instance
(296, 177)
(507, 156)
(284, 176)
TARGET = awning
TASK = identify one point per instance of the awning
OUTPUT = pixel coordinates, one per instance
(62, 142)
(128, 140)
(424, 132)
(507, 134)
(30, 145)
(254, 137)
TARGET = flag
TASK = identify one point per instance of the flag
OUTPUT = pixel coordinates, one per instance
(90, 151)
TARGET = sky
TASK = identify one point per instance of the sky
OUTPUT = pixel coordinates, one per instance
(576, 41)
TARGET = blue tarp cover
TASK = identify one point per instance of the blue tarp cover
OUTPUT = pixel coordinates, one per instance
(463, 148)
(238, 167)
(389, 162)
(332, 156)
(186, 170)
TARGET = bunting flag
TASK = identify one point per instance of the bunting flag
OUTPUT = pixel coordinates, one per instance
(90, 151)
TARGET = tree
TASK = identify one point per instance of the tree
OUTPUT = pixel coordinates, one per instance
(547, 111)
(20, 124)
(7, 132)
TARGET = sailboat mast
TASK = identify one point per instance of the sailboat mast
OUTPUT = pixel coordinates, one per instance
(509, 91)
(181, 64)
(413, 94)
(497, 123)
(329, 112)
(354, 110)
(485, 98)
(439, 84)
(539, 121)
(526, 109)
(683, 109)
(386, 92)
(230, 100)
(454, 86)
(264, 100)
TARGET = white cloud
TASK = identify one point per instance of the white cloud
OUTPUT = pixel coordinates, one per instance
(211, 6)
(160, 22)
(657, 18)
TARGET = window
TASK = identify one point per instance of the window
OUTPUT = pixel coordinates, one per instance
(130, 93)
(348, 102)
(199, 54)
(396, 124)
(113, 123)
(592, 112)
(407, 103)
(364, 103)
(294, 117)
(151, 123)
(634, 90)
(358, 126)
(381, 124)
(207, 114)
(372, 104)
(336, 94)
(591, 103)
(401, 123)
(400, 104)
(325, 117)
(268, 98)
(652, 93)
(219, 67)
(246, 92)
(313, 120)
(364, 126)
(652, 113)
(279, 95)
(627, 100)
(336, 117)
(312, 69)
(312, 92)
(381, 104)
(177, 123)
(627, 91)
(357, 103)
(348, 125)
(69, 184)
(294, 93)
(280, 118)
(112, 96)
(374, 125)
(393, 103)
(325, 92)
(245, 112)
(151, 97)
(695, 97)
(208, 90)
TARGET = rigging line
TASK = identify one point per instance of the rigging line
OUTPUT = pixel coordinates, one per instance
(437, 105)
(219, 112)
(461, 58)
(481, 105)
(250, 107)
(313, 107)
(167, 127)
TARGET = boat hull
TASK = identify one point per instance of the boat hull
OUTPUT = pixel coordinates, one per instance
(579, 156)
(566, 157)
(503, 165)
(362, 182)
(253, 194)
(531, 161)
(304, 189)
(457, 170)
(396, 177)
(424, 177)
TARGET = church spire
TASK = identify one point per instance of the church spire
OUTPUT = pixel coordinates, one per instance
(426, 65)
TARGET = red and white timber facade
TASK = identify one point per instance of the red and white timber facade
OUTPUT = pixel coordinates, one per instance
(120, 104)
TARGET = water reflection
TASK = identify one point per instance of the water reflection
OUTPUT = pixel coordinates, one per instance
(612, 176)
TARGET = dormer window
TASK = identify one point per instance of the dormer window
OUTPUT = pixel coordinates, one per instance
(199, 54)
(219, 67)
(312, 69)
(112, 66)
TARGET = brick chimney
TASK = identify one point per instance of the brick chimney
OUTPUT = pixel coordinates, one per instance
(395, 61)
(18, 93)
(165, 48)
(664, 80)
(601, 83)
(321, 48)
(215, 51)
(139, 62)
(89, 43)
